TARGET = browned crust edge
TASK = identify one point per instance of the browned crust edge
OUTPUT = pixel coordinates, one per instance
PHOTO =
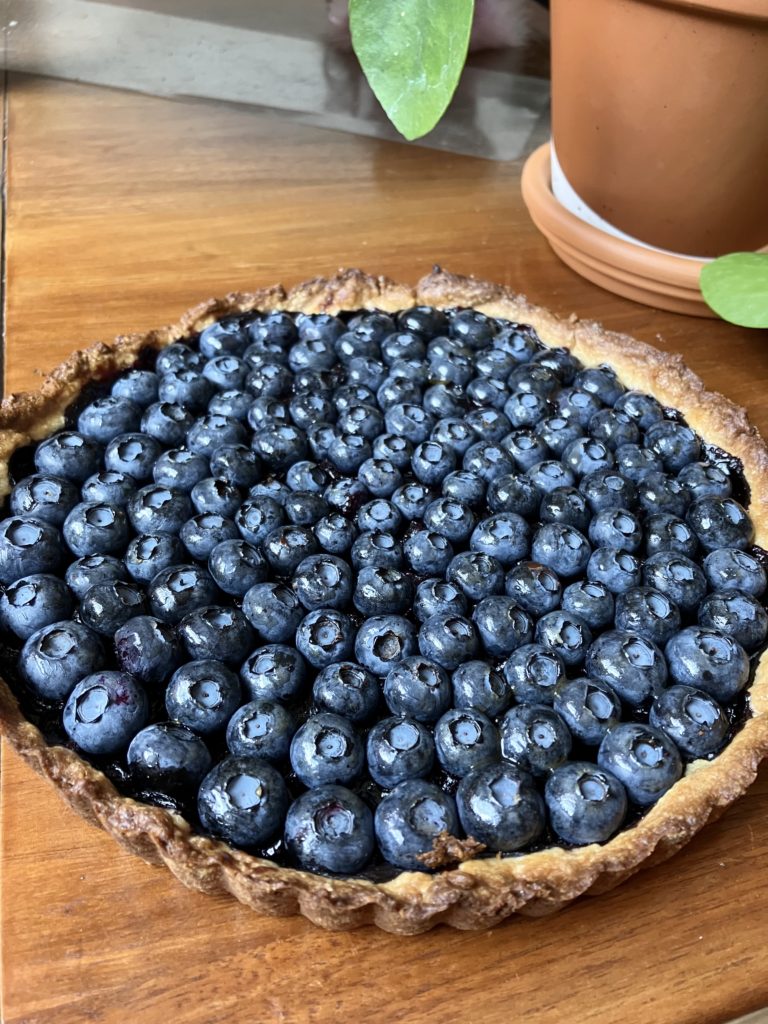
(477, 893)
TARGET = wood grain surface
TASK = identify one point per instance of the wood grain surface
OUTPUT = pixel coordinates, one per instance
(124, 210)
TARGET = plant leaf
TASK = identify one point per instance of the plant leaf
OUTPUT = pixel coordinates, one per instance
(412, 53)
(736, 287)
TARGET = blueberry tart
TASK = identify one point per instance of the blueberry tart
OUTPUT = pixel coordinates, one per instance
(383, 604)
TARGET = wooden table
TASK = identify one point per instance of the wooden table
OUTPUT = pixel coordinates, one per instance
(124, 210)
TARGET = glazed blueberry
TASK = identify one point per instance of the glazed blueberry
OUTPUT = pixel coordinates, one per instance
(450, 517)
(218, 633)
(266, 412)
(49, 499)
(335, 534)
(649, 613)
(643, 409)
(325, 750)
(488, 424)
(588, 707)
(466, 487)
(148, 554)
(269, 380)
(273, 611)
(513, 493)
(167, 423)
(225, 336)
(319, 325)
(187, 388)
(107, 606)
(561, 548)
(676, 445)
(428, 553)
(236, 464)
(635, 463)
(465, 741)
(519, 343)
(236, 566)
(84, 573)
(614, 428)
(394, 449)
(201, 534)
(616, 528)
(178, 590)
(149, 649)
(383, 641)
(287, 546)
(523, 449)
(534, 738)
(704, 480)
(477, 685)
(104, 712)
(456, 434)
(348, 690)
(658, 492)
(379, 515)
(140, 386)
(362, 419)
(565, 505)
(380, 477)
(256, 518)
(417, 688)
(412, 500)
(272, 489)
(108, 488)
(330, 829)
(692, 719)
(346, 496)
(501, 625)
(561, 361)
(737, 615)
(681, 579)
(720, 523)
(607, 488)
(532, 377)
(500, 807)
(202, 695)
(410, 818)
(244, 800)
(732, 569)
(566, 634)
(586, 455)
(212, 431)
(504, 536)
(57, 657)
(615, 568)
(448, 639)
(398, 749)
(474, 329)
(558, 432)
(274, 672)
(70, 455)
(224, 371)
(436, 597)
(526, 409)
(176, 356)
(219, 497)
(600, 381)
(532, 672)
(382, 591)
(630, 664)
(489, 460)
(156, 509)
(490, 393)
(376, 549)
(93, 528)
(33, 602)
(323, 581)
(325, 636)
(642, 758)
(133, 455)
(577, 405)
(261, 728)
(534, 587)
(665, 532)
(168, 758)
(279, 446)
(28, 546)
(591, 601)
(279, 329)
(476, 574)
(232, 403)
(397, 391)
(585, 804)
(423, 320)
(307, 476)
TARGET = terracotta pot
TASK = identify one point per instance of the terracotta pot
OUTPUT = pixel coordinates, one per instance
(660, 118)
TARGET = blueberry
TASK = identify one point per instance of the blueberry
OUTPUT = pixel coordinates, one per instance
(466, 740)
(186, 388)
(600, 381)
(93, 528)
(202, 695)
(266, 412)
(394, 449)
(363, 419)
(274, 672)
(591, 601)
(219, 497)
(532, 672)
(500, 807)
(477, 685)
(616, 528)
(425, 321)
(565, 505)
(134, 455)
(436, 597)
(156, 509)
(417, 688)
(57, 657)
(681, 579)
(33, 602)
(346, 495)
(737, 615)
(84, 573)
(348, 690)
(586, 455)
(502, 625)
(224, 336)
(643, 409)
(272, 489)
(379, 515)
(236, 566)
(330, 829)
(504, 536)
(218, 633)
(70, 455)
(489, 424)
(236, 464)
(410, 818)
(676, 445)
(642, 758)
(488, 460)
(658, 492)
(28, 546)
(692, 719)
(534, 738)
(466, 487)
(335, 534)
(325, 750)
(258, 517)
(534, 587)
(428, 553)
(704, 480)
(522, 448)
(614, 428)
(720, 523)
(49, 499)
(615, 568)
(447, 639)
(148, 554)
(527, 409)
(588, 707)
(149, 649)
(224, 371)
(577, 405)
(280, 446)
(138, 385)
(384, 640)
(630, 664)
(231, 403)
(175, 357)
(607, 488)
(636, 463)
(261, 728)
(489, 393)
(104, 712)
(107, 606)
(665, 532)
(325, 636)
(323, 581)
(108, 488)
(565, 633)
(168, 757)
(273, 611)
(732, 569)
(244, 800)
(561, 548)
(269, 380)
(287, 546)
(455, 434)
(476, 574)
(412, 500)
(279, 328)
(518, 342)
(398, 749)
(202, 533)
(648, 612)
(167, 422)
(513, 493)
(178, 590)
(450, 517)
(319, 325)
(382, 591)
(586, 804)
(532, 377)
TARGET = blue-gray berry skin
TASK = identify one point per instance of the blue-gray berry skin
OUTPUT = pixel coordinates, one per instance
(665, 532)
(133, 454)
(219, 496)
(379, 514)
(565, 505)
(201, 533)
(615, 568)
(203, 696)
(384, 640)
(274, 672)
(244, 800)
(565, 633)
(738, 615)
(168, 757)
(643, 759)
(70, 455)
(57, 657)
(438, 597)
(330, 830)
(33, 602)
(476, 575)
(499, 806)
(180, 469)
(274, 612)
(561, 548)
(325, 636)
(428, 553)
(630, 664)
(591, 601)
(149, 649)
(679, 577)
(504, 536)
(107, 417)
(377, 548)
(108, 488)
(532, 672)
(418, 688)
(477, 685)
(536, 588)
(323, 581)
(585, 803)
(148, 554)
(657, 493)
(257, 517)
(465, 740)
(588, 707)
(502, 625)
(157, 509)
(410, 818)
(451, 517)
(261, 728)
(513, 493)
(733, 569)
(236, 566)
(643, 409)
(705, 480)
(398, 749)
(138, 385)
(84, 573)
(607, 488)
(635, 463)
(348, 690)
(534, 737)
(705, 658)
(618, 528)
(648, 612)
(676, 445)
(217, 632)
(28, 546)
(104, 712)
(93, 528)
(448, 639)
(167, 422)
(107, 606)
(383, 591)
(327, 749)
(693, 720)
(44, 497)
(720, 523)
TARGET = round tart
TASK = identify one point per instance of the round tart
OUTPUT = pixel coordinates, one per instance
(383, 604)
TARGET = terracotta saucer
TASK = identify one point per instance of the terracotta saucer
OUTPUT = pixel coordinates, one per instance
(620, 265)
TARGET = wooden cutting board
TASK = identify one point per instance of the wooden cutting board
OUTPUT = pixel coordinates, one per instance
(124, 210)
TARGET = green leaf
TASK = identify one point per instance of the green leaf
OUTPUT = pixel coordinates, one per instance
(412, 53)
(736, 287)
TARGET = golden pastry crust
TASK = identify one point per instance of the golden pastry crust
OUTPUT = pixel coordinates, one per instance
(476, 893)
